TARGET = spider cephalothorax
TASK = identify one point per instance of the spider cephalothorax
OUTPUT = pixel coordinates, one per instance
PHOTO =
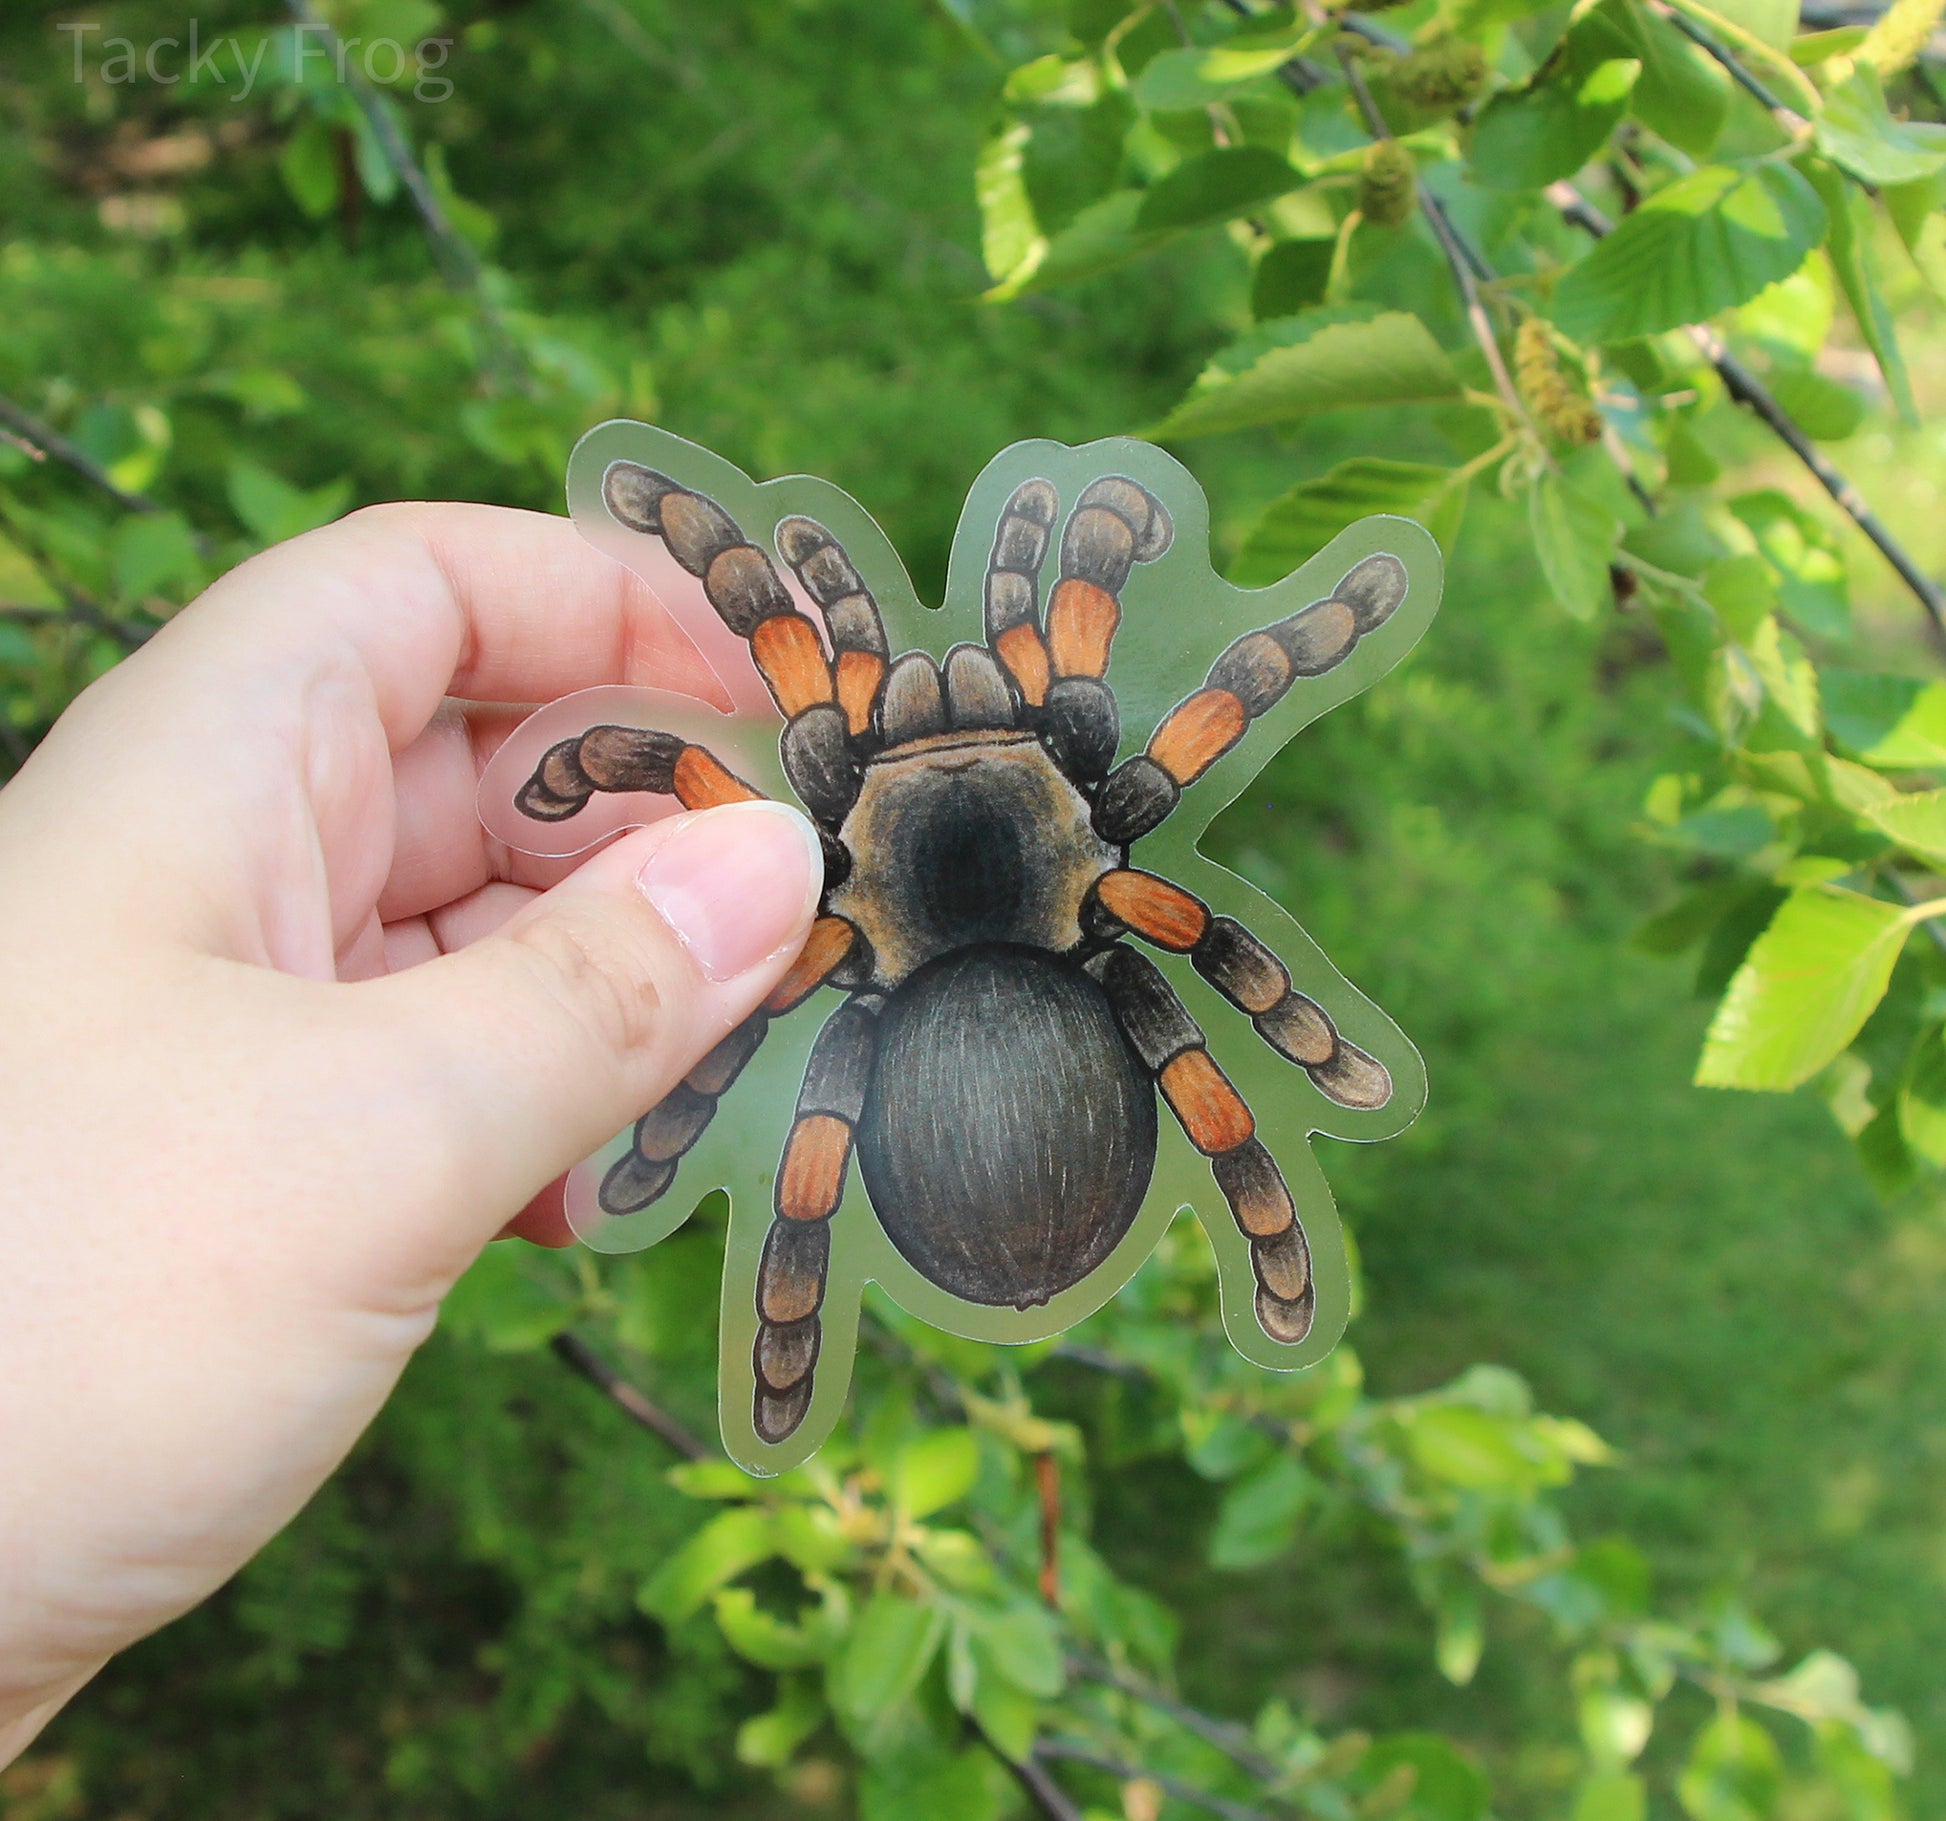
(995, 1063)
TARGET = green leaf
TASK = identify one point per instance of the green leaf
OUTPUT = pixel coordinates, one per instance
(509, 1301)
(1827, 410)
(1527, 138)
(929, 1786)
(1708, 241)
(1856, 264)
(308, 165)
(1332, 363)
(275, 510)
(729, 1544)
(1009, 235)
(1804, 990)
(152, 550)
(1895, 722)
(1258, 1518)
(1444, 1786)
(1297, 525)
(1099, 238)
(1461, 1631)
(1916, 211)
(1574, 537)
(1193, 77)
(1733, 1773)
(1469, 1448)
(1611, 1795)
(1917, 822)
(935, 1470)
(1290, 277)
(1743, 591)
(888, 1649)
(1021, 1645)
(762, 1638)
(1683, 93)
(1215, 187)
(1856, 130)
(1772, 21)
(1922, 1099)
(768, 1741)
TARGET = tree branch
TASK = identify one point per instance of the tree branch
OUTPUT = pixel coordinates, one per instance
(1224, 1735)
(1749, 391)
(634, 1403)
(452, 252)
(1065, 1752)
(43, 441)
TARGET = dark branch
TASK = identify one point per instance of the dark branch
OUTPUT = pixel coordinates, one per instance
(1224, 1735)
(1036, 1784)
(1749, 391)
(1063, 1752)
(43, 440)
(631, 1400)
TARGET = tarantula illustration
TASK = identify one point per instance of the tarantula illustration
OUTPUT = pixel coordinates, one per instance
(995, 1062)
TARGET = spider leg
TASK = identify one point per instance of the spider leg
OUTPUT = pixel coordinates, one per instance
(810, 1185)
(1115, 524)
(850, 615)
(835, 950)
(1171, 1046)
(668, 1129)
(1013, 587)
(1246, 973)
(1249, 679)
(750, 598)
(628, 759)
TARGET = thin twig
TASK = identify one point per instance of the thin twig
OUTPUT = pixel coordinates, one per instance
(81, 607)
(1036, 1784)
(1225, 1736)
(1738, 71)
(1748, 390)
(1065, 1752)
(49, 442)
(630, 1399)
(452, 252)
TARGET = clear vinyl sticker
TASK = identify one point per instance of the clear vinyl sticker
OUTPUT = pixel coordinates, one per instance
(1033, 1021)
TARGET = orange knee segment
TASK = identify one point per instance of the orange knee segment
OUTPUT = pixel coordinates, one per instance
(859, 675)
(788, 653)
(1197, 732)
(824, 948)
(1081, 622)
(702, 783)
(811, 1179)
(1200, 1095)
(1166, 914)
(1020, 648)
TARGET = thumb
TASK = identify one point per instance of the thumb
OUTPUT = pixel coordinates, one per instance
(536, 1044)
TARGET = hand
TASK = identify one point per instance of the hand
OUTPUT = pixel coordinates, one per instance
(287, 1039)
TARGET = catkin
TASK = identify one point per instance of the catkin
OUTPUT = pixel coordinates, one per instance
(1444, 74)
(1389, 184)
(1894, 43)
(1546, 390)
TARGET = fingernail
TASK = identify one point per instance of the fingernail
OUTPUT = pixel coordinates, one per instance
(735, 884)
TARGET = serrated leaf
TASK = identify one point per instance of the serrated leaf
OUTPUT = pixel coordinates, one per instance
(1682, 93)
(1574, 538)
(1099, 238)
(1826, 410)
(1706, 242)
(1916, 211)
(1804, 990)
(1386, 358)
(1215, 186)
(1773, 21)
(1296, 526)
(275, 510)
(1917, 822)
(1856, 130)
(1527, 138)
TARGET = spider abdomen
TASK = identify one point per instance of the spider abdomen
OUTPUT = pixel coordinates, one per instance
(1008, 1134)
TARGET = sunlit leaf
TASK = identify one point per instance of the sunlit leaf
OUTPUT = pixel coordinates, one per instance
(1807, 985)
(1857, 130)
(1214, 187)
(1707, 241)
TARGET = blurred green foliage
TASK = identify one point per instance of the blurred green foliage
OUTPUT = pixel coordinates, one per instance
(770, 226)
